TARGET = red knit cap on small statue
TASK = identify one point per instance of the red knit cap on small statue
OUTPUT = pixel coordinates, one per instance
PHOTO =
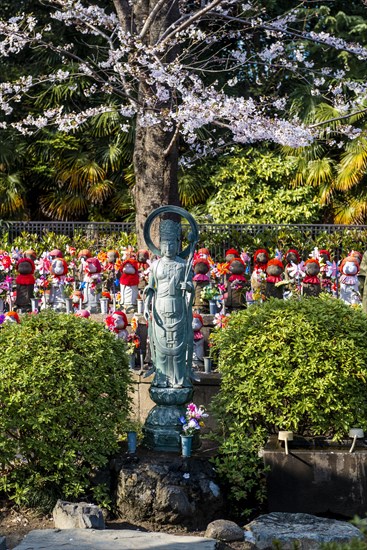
(56, 253)
(312, 261)
(232, 252)
(85, 252)
(277, 262)
(96, 263)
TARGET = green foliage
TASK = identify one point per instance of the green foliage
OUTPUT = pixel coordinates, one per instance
(64, 401)
(252, 186)
(298, 365)
(50, 240)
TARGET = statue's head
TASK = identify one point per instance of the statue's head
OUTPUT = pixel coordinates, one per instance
(169, 237)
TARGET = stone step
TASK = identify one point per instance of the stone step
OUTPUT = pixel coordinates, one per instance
(110, 539)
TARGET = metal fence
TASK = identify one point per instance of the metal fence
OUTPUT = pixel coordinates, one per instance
(217, 237)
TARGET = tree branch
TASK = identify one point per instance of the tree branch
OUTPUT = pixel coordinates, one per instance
(171, 143)
(150, 19)
(165, 37)
(341, 117)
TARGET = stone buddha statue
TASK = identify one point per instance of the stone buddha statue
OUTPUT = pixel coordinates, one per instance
(169, 294)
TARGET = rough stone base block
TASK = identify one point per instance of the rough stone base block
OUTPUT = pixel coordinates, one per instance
(3, 543)
(301, 531)
(77, 515)
(169, 490)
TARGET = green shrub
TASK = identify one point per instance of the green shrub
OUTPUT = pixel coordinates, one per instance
(297, 365)
(64, 385)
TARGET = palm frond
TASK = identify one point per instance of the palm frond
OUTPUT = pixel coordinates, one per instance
(320, 171)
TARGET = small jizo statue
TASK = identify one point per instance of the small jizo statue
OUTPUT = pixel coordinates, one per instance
(311, 285)
(142, 258)
(200, 279)
(261, 258)
(83, 255)
(117, 323)
(326, 283)
(291, 257)
(110, 269)
(274, 275)
(349, 283)
(59, 270)
(25, 283)
(236, 282)
(91, 284)
(129, 282)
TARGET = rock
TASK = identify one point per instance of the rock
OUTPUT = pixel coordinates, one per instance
(305, 531)
(77, 515)
(169, 491)
(125, 539)
(3, 543)
(222, 529)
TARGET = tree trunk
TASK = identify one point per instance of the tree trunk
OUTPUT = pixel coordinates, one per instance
(155, 175)
(155, 157)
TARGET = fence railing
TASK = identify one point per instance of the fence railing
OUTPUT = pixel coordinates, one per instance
(217, 237)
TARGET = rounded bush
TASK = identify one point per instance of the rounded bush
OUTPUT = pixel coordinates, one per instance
(297, 365)
(64, 387)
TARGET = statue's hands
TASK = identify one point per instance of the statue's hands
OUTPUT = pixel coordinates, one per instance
(186, 286)
(146, 313)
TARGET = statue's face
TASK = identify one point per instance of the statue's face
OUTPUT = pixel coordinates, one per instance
(312, 269)
(291, 257)
(58, 267)
(129, 269)
(112, 257)
(169, 248)
(350, 268)
(261, 258)
(196, 324)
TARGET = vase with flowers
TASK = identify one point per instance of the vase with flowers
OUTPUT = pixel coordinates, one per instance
(192, 422)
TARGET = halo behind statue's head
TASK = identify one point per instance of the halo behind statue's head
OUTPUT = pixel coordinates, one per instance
(171, 230)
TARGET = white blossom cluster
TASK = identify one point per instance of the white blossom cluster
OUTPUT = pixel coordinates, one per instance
(338, 44)
(84, 18)
(173, 94)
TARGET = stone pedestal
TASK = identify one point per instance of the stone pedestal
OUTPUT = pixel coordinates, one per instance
(162, 427)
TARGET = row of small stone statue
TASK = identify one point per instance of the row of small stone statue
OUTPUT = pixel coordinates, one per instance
(239, 279)
(82, 281)
(279, 277)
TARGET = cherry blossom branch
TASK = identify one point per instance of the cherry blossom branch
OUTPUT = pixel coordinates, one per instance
(166, 36)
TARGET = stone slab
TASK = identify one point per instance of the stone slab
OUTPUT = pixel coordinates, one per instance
(305, 531)
(110, 539)
(3, 543)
